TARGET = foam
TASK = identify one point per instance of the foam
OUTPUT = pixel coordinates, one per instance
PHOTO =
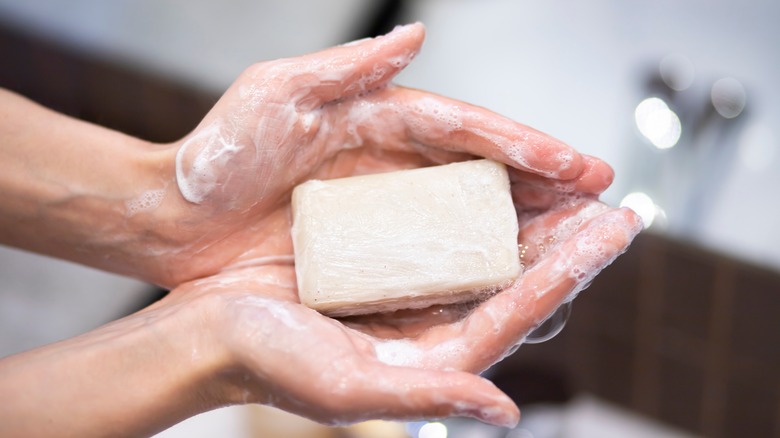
(404, 353)
(398, 352)
(212, 150)
(449, 118)
(566, 158)
(279, 310)
(148, 200)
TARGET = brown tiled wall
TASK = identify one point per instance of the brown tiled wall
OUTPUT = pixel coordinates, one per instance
(121, 97)
(686, 336)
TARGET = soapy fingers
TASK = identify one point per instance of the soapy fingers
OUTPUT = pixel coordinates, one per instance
(348, 70)
(350, 83)
(596, 176)
(418, 120)
(557, 278)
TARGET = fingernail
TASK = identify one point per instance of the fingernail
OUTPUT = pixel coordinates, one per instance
(401, 27)
(499, 417)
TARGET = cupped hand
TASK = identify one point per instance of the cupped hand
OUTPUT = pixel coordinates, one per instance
(408, 364)
(329, 114)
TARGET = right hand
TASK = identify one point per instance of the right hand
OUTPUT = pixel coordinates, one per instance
(403, 365)
(325, 115)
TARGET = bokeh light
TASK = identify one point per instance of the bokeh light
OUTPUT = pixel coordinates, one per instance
(728, 97)
(433, 430)
(658, 123)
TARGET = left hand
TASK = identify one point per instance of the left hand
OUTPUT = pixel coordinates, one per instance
(240, 336)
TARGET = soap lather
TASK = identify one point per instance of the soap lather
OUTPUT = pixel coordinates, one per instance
(404, 239)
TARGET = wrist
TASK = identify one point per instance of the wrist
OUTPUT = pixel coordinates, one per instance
(214, 374)
(175, 233)
(158, 216)
(81, 192)
(193, 370)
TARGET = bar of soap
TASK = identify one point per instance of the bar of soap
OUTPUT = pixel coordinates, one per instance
(404, 239)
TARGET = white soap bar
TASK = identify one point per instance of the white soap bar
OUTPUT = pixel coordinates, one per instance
(405, 239)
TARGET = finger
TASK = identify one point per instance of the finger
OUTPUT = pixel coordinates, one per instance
(408, 394)
(344, 71)
(502, 322)
(578, 260)
(546, 231)
(596, 177)
(406, 118)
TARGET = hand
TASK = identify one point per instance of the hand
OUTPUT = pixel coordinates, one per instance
(325, 115)
(409, 364)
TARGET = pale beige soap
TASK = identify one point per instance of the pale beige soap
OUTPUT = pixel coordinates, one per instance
(404, 239)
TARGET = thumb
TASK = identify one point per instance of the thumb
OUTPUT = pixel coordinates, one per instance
(344, 71)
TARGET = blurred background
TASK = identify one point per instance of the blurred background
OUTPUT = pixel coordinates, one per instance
(678, 338)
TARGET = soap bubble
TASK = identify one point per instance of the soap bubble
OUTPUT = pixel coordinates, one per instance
(551, 326)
